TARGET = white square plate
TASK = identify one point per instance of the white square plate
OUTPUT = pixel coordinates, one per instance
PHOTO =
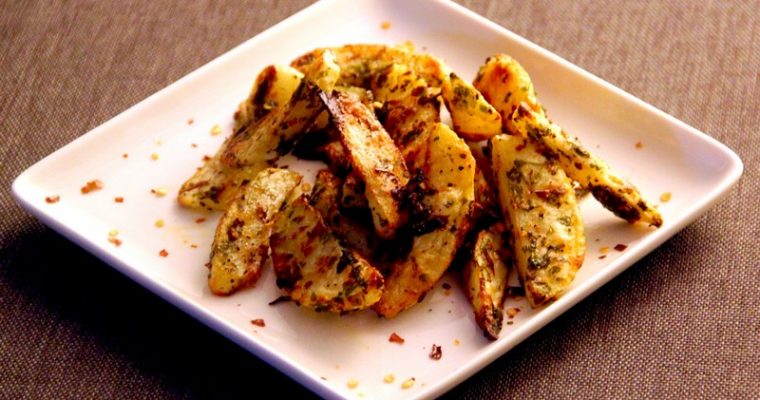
(324, 352)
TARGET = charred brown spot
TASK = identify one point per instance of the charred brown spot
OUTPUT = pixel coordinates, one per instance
(614, 202)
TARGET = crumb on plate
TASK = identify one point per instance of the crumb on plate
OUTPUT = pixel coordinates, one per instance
(52, 199)
(91, 186)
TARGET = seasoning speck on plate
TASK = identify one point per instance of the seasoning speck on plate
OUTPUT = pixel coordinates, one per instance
(665, 197)
(125, 155)
(639, 145)
(216, 129)
(512, 312)
(604, 249)
(395, 338)
(159, 192)
(389, 378)
(190, 121)
(436, 352)
(159, 223)
(200, 220)
(52, 199)
(259, 322)
(352, 383)
(163, 253)
(408, 383)
(112, 237)
(385, 25)
(91, 186)
(154, 156)
(118, 199)
(620, 247)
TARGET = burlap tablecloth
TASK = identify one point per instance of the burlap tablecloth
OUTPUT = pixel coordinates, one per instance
(682, 323)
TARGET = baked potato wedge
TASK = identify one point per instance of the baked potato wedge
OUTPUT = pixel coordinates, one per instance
(485, 278)
(539, 201)
(241, 241)
(410, 110)
(264, 141)
(352, 194)
(614, 192)
(373, 156)
(274, 86)
(325, 197)
(505, 84)
(450, 173)
(314, 269)
(472, 116)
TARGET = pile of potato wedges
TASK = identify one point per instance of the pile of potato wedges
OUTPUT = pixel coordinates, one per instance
(403, 195)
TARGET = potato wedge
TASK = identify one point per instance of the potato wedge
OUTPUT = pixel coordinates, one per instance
(485, 278)
(617, 195)
(539, 201)
(352, 195)
(263, 142)
(473, 117)
(241, 241)
(505, 84)
(410, 111)
(274, 86)
(450, 172)
(312, 266)
(325, 197)
(373, 156)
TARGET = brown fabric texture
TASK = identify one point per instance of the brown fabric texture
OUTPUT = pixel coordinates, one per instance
(684, 322)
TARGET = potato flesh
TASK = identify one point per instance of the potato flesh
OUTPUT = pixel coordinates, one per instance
(314, 268)
(241, 241)
(273, 88)
(505, 84)
(374, 157)
(449, 171)
(472, 116)
(539, 201)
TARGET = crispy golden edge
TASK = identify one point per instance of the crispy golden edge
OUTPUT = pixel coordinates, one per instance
(450, 172)
(539, 201)
(373, 156)
(314, 269)
(241, 241)
(485, 278)
(614, 192)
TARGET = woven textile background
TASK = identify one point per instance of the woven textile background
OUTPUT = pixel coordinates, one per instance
(682, 323)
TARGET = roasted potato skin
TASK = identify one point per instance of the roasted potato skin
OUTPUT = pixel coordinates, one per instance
(325, 197)
(485, 277)
(591, 172)
(374, 157)
(314, 269)
(449, 182)
(241, 241)
(505, 84)
(539, 201)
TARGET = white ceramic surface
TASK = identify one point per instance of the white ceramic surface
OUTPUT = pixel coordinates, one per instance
(324, 352)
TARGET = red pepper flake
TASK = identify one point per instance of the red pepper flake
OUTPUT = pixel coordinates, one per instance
(603, 256)
(195, 246)
(436, 353)
(163, 253)
(200, 220)
(190, 121)
(125, 155)
(620, 247)
(259, 322)
(385, 25)
(446, 285)
(206, 158)
(115, 241)
(118, 199)
(97, 184)
(639, 145)
(193, 145)
(395, 338)
(52, 199)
